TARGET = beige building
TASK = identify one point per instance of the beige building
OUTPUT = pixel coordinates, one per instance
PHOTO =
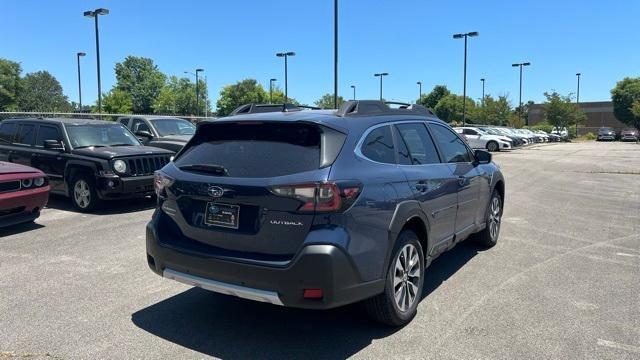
(599, 114)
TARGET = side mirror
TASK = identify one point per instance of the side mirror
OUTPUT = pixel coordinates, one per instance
(483, 156)
(144, 134)
(54, 145)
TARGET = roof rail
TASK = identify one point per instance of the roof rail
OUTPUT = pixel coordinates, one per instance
(377, 107)
(265, 108)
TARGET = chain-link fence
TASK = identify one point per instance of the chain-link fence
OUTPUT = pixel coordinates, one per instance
(77, 115)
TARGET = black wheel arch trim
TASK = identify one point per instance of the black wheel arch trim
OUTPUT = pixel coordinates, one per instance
(405, 212)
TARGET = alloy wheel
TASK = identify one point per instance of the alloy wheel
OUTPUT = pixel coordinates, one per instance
(82, 194)
(406, 278)
(494, 218)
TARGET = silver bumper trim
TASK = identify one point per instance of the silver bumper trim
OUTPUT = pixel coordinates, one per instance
(224, 288)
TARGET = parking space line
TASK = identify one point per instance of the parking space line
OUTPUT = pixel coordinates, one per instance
(615, 345)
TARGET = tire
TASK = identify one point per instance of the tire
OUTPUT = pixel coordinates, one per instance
(384, 308)
(83, 193)
(488, 237)
(493, 146)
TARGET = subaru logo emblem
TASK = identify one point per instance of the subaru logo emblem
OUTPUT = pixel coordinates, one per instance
(215, 191)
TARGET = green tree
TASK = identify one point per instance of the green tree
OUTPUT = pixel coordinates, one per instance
(494, 112)
(141, 79)
(10, 84)
(626, 101)
(326, 101)
(431, 99)
(116, 101)
(41, 91)
(243, 92)
(560, 111)
(449, 108)
(178, 97)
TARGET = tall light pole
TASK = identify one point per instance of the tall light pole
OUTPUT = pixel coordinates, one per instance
(335, 54)
(354, 91)
(286, 55)
(464, 87)
(78, 55)
(482, 91)
(520, 65)
(420, 90)
(578, 99)
(271, 81)
(198, 92)
(94, 14)
(381, 75)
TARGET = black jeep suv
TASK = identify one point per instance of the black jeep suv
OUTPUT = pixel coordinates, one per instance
(86, 160)
(164, 132)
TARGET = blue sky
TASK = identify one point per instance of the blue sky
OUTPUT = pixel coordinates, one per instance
(409, 39)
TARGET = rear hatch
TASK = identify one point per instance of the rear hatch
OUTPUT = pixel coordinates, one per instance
(231, 186)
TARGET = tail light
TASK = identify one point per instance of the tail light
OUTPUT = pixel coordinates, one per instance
(161, 182)
(321, 197)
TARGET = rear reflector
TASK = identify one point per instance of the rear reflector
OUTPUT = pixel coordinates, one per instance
(313, 294)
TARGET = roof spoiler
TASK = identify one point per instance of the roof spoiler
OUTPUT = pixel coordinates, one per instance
(376, 107)
(265, 108)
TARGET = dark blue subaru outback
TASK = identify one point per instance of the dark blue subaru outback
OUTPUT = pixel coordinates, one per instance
(322, 208)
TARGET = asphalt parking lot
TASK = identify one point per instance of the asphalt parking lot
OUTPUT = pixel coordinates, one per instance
(563, 282)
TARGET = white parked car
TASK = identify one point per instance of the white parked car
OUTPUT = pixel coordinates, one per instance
(560, 131)
(480, 139)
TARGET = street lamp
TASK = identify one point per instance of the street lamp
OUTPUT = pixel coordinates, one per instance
(285, 55)
(464, 88)
(335, 54)
(94, 14)
(198, 92)
(354, 91)
(578, 99)
(482, 91)
(78, 55)
(420, 90)
(381, 75)
(271, 81)
(520, 65)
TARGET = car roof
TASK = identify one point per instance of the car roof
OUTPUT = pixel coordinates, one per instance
(65, 121)
(323, 117)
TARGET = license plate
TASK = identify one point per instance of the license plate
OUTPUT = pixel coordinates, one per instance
(223, 215)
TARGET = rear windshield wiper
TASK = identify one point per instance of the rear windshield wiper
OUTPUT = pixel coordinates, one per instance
(209, 169)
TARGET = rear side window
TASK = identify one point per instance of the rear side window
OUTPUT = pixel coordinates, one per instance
(6, 132)
(420, 147)
(256, 149)
(452, 147)
(378, 146)
(26, 134)
(47, 133)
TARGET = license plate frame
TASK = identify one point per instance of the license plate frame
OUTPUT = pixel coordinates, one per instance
(222, 215)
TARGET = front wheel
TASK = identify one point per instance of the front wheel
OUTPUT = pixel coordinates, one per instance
(493, 146)
(83, 193)
(398, 304)
(488, 237)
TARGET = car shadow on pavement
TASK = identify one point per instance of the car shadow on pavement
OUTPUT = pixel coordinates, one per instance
(19, 229)
(105, 207)
(228, 327)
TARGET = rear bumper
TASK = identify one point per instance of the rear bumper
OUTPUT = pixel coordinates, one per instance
(111, 188)
(325, 267)
(22, 206)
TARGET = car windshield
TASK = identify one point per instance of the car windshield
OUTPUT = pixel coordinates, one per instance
(100, 135)
(492, 131)
(481, 131)
(166, 127)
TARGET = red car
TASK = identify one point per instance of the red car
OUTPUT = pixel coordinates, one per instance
(24, 191)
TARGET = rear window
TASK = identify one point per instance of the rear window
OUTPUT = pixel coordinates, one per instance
(255, 149)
